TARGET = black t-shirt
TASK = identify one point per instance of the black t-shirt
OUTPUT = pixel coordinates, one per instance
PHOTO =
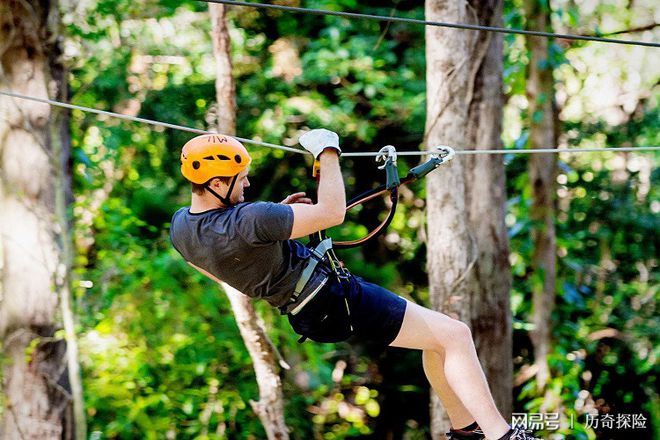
(247, 246)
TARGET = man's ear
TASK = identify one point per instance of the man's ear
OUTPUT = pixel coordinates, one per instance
(215, 183)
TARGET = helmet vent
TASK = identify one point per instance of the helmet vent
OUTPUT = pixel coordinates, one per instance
(195, 165)
(209, 158)
(238, 158)
(223, 157)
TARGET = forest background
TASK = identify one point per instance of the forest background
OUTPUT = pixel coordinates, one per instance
(160, 353)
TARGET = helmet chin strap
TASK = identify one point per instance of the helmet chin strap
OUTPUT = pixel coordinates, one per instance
(227, 199)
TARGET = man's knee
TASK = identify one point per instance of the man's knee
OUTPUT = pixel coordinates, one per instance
(460, 333)
(450, 333)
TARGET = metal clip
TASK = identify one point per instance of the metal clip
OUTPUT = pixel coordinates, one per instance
(445, 153)
(387, 153)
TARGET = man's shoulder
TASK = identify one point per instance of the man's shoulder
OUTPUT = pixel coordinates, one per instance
(255, 209)
(179, 212)
(179, 216)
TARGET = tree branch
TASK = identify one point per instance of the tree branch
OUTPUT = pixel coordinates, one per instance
(648, 27)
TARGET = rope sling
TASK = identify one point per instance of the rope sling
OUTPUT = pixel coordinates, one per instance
(323, 246)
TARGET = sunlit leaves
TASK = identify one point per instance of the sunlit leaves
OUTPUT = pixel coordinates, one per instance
(160, 350)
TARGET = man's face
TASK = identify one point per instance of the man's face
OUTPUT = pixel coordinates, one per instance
(242, 182)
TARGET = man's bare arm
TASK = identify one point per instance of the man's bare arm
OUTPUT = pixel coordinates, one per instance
(331, 206)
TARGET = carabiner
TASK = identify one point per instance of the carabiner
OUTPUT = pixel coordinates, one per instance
(445, 153)
(388, 155)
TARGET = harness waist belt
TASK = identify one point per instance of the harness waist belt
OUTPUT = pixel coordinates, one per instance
(317, 256)
(308, 298)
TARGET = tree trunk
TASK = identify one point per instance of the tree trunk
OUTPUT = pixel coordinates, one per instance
(225, 90)
(60, 140)
(542, 175)
(270, 406)
(467, 248)
(451, 247)
(37, 397)
(486, 204)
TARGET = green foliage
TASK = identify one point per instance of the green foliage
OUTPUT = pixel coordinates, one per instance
(153, 371)
(161, 353)
(605, 320)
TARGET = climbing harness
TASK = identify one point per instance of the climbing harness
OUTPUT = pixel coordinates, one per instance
(317, 255)
(322, 247)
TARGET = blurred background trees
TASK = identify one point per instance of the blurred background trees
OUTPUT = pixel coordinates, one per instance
(160, 351)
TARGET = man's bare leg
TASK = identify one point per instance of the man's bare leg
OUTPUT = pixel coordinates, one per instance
(425, 329)
(434, 367)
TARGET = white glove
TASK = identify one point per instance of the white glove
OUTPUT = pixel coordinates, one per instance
(317, 140)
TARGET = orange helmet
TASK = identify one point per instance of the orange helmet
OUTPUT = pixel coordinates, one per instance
(213, 155)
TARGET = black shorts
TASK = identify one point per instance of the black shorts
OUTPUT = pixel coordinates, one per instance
(348, 308)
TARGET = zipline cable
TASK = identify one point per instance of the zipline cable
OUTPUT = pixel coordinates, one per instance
(297, 150)
(433, 23)
(143, 120)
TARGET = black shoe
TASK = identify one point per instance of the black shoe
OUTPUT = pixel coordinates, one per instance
(521, 434)
(457, 434)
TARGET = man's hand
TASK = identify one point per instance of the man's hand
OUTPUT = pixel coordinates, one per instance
(298, 197)
(317, 140)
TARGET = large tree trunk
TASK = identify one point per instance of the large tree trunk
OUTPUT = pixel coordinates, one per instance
(37, 397)
(270, 406)
(486, 204)
(467, 248)
(542, 175)
(452, 249)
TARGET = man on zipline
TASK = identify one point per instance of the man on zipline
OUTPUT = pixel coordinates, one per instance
(252, 247)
